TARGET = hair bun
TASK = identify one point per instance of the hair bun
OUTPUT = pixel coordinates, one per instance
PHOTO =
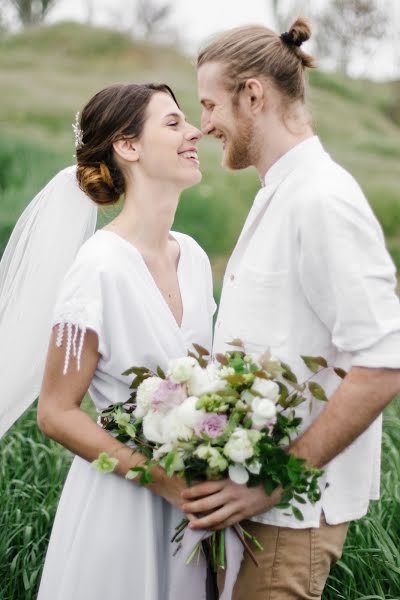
(97, 182)
(300, 31)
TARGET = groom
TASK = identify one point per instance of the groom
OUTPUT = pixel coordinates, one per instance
(310, 275)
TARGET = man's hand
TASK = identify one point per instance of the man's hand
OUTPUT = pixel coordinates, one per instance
(225, 503)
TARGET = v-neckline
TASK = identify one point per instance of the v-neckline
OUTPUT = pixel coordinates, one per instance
(133, 248)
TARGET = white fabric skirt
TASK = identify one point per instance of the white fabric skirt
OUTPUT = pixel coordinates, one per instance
(110, 540)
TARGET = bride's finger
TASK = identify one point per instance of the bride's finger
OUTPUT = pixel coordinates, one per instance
(214, 519)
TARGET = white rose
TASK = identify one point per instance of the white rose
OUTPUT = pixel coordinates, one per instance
(266, 388)
(238, 474)
(205, 381)
(173, 428)
(181, 369)
(239, 448)
(187, 412)
(144, 396)
(254, 467)
(263, 408)
(153, 427)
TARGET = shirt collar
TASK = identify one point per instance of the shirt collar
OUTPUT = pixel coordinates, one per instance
(302, 152)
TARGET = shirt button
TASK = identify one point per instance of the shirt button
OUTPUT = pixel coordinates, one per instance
(232, 277)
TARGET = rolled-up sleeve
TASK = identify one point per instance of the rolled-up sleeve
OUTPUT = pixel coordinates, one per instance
(348, 277)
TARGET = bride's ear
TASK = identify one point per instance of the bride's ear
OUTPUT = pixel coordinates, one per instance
(127, 149)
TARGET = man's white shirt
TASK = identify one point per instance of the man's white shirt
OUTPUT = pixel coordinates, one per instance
(310, 275)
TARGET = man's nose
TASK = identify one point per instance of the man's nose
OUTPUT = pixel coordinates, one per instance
(205, 123)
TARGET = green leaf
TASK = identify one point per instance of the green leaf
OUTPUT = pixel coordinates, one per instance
(297, 513)
(295, 400)
(132, 473)
(201, 350)
(161, 373)
(289, 376)
(169, 461)
(300, 499)
(340, 372)
(221, 358)
(314, 363)
(269, 486)
(317, 391)
(236, 342)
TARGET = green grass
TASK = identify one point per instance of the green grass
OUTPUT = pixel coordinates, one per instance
(33, 468)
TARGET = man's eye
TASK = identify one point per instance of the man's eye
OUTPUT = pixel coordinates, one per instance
(172, 123)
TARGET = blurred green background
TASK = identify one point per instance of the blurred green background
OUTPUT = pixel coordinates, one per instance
(47, 73)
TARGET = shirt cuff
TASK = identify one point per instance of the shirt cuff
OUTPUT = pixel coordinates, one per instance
(382, 354)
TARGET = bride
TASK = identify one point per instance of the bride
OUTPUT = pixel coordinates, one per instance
(135, 294)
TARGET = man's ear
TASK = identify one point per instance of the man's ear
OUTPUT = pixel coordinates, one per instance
(128, 149)
(254, 95)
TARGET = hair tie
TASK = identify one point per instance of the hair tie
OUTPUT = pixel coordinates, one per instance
(287, 38)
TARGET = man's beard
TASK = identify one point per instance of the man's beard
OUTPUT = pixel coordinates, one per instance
(241, 146)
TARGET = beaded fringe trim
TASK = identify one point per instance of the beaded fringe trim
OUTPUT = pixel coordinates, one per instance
(74, 342)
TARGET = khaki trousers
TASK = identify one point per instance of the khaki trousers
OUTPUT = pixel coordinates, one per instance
(294, 564)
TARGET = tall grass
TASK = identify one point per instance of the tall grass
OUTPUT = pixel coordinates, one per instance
(33, 468)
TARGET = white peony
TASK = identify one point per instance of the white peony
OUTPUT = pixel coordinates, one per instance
(153, 429)
(144, 396)
(205, 381)
(173, 427)
(187, 412)
(181, 369)
(266, 388)
(238, 474)
(239, 447)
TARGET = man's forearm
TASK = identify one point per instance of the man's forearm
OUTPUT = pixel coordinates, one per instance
(355, 404)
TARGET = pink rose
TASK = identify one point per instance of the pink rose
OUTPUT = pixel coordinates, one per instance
(212, 425)
(167, 395)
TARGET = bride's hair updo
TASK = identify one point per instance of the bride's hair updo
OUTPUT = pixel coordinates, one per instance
(115, 113)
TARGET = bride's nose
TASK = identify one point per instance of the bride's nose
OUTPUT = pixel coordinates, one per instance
(193, 134)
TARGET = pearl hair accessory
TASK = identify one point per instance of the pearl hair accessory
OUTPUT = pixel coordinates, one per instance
(78, 133)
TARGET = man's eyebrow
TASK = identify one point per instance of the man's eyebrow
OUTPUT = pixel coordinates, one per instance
(177, 115)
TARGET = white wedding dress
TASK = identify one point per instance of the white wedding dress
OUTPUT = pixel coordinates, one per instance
(111, 537)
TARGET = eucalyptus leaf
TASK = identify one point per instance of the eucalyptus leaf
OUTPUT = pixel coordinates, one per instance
(340, 372)
(317, 391)
(201, 350)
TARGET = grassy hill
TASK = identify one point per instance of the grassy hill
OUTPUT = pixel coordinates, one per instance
(48, 73)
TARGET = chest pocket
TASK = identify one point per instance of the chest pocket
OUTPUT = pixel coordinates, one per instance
(261, 307)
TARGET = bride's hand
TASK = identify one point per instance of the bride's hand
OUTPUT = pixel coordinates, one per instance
(169, 488)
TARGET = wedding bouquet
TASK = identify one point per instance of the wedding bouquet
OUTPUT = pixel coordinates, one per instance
(207, 420)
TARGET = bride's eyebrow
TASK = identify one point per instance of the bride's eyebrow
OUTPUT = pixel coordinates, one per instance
(176, 115)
